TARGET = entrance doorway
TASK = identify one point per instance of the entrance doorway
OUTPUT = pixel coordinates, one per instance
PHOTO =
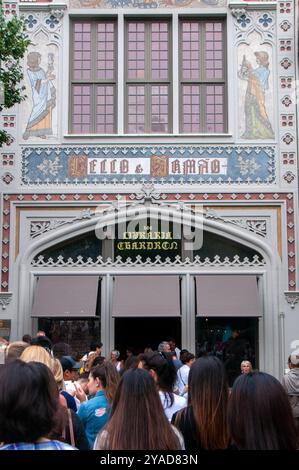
(231, 339)
(139, 333)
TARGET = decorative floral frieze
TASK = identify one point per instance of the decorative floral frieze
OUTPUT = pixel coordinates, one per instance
(149, 164)
(217, 261)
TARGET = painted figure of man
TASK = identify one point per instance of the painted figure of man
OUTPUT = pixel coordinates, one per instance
(257, 124)
(43, 96)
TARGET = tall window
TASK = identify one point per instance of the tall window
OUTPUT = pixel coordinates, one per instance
(93, 77)
(147, 93)
(148, 77)
(202, 76)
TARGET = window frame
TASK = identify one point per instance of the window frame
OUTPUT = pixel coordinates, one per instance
(174, 81)
(147, 82)
(93, 82)
(202, 82)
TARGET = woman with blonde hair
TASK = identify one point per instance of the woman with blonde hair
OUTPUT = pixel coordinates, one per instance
(38, 354)
(246, 367)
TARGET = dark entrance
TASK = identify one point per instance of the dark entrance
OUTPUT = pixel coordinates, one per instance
(231, 339)
(140, 333)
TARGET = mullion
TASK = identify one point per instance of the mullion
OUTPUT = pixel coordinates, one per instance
(202, 87)
(94, 52)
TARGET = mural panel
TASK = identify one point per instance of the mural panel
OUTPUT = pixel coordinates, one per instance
(255, 73)
(39, 111)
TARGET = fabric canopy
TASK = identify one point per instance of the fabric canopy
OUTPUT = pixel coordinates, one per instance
(146, 296)
(227, 296)
(66, 296)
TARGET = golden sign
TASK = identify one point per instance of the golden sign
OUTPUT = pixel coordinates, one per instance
(77, 166)
(159, 165)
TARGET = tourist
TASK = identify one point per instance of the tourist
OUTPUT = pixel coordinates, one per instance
(137, 420)
(260, 415)
(14, 350)
(204, 422)
(246, 367)
(187, 359)
(161, 368)
(290, 383)
(29, 407)
(93, 413)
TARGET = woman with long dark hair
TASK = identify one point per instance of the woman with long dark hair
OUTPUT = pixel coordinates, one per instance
(137, 419)
(204, 422)
(29, 407)
(161, 368)
(259, 414)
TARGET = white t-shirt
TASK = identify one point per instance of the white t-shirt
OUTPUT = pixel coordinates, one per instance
(182, 377)
(178, 404)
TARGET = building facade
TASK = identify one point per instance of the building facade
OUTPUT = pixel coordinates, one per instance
(150, 186)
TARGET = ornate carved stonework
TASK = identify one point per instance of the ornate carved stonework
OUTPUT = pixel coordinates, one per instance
(217, 261)
(292, 298)
(257, 226)
(5, 298)
(42, 226)
(260, 198)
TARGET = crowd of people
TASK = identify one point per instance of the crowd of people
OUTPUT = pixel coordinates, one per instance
(158, 400)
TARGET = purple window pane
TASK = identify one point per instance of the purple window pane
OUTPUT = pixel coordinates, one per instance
(159, 109)
(81, 110)
(105, 111)
(190, 111)
(86, 27)
(132, 55)
(82, 47)
(135, 113)
(105, 49)
(77, 75)
(218, 55)
(218, 74)
(210, 74)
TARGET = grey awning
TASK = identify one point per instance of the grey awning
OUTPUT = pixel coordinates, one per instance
(146, 296)
(65, 296)
(227, 296)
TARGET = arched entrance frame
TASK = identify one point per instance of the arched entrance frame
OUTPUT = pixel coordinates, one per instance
(269, 336)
